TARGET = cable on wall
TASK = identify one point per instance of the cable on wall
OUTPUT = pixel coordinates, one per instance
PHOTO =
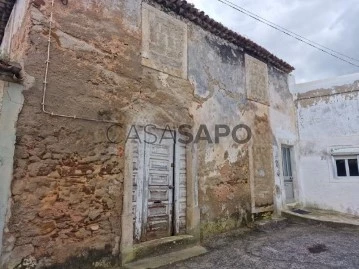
(290, 33)
(46, 82)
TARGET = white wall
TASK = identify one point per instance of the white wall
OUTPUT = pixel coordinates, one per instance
(283, 123)
(12, 101)
(328, 116)
(12, 37)
(1, 94)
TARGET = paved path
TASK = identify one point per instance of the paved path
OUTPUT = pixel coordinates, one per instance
(295, 246)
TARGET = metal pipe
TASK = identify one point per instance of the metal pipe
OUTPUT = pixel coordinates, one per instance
(46, 82)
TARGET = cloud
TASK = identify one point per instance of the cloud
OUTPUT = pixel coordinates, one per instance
(331, 23)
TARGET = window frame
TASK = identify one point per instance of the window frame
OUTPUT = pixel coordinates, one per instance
(287, 163)
(345, 158)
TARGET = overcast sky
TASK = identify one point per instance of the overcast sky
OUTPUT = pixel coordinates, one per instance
(332, 23)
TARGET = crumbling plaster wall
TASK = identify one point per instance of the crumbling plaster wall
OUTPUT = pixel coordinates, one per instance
(283, 117)
(327, 118)
(15, 31)
(67, 182)
(232, 88)
(11, 99)
(262, 175)
(216, 69)
(68, 178)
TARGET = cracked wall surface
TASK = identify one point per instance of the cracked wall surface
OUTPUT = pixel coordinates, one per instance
(327, 119)
(68, 178)
(257, 80)
(164, 45)
(12, 102)
(223, 168)
(68, 182)
(284, 127)
(15, 34)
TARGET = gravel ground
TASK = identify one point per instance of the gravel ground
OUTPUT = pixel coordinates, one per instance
(294, 246)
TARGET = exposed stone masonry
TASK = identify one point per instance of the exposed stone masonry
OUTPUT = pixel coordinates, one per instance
(68, 185)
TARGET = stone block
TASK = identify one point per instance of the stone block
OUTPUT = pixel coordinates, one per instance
(164, 42)
(256, 80)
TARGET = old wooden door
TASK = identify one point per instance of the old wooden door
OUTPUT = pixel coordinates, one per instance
(158, 194)
(159, 186)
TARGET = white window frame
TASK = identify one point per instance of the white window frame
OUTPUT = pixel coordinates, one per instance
(346, 158)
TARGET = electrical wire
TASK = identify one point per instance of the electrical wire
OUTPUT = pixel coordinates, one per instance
(290, 33)
(46, 82)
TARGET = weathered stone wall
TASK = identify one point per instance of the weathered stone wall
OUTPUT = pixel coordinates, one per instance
(283, 122)
(234, 180)
(68, 179)
(67, 183)
(216, 68)
(164, 45)
(257, 78)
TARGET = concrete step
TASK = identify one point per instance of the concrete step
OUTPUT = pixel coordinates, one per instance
(165, 259)
(324, 217)
(162, 246)
(293, 206)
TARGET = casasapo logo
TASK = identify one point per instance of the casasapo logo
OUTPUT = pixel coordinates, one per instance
(184, 134)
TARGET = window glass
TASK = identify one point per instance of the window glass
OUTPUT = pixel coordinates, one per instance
(341, 171)
(353, 167)
(284, 162)
(289, 163)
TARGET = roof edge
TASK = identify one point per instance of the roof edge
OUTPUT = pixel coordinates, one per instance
(190, 12)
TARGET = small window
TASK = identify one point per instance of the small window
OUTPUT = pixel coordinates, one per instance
(353, 167)
(341, 170)
(347, 166)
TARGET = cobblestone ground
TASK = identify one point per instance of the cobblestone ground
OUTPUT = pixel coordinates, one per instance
(295, 246)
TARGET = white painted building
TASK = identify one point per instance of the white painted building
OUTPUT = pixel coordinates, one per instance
(327, 154)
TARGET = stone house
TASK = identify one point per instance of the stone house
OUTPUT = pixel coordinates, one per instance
(76, 189)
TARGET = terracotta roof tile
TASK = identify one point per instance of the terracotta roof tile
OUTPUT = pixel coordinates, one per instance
(188, 11)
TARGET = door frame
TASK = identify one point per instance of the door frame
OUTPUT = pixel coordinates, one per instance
(293, 150)
(127, 246)
(143, 197)
(289, 178)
